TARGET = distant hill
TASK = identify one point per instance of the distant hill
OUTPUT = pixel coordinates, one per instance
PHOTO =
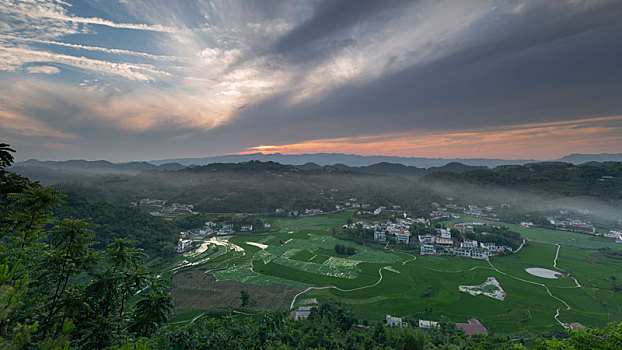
(595, 179)
(351, 160)
(98, 166)
(393, 169)
(578, 158)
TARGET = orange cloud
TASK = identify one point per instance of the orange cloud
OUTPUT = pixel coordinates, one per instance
(531, 141)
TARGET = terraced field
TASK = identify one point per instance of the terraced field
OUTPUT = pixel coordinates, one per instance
(299, 253)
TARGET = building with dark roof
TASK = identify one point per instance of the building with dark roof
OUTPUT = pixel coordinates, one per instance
(473, 327)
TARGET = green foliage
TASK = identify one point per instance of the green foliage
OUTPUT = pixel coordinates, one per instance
(244, 298)
(344, 249)
(56, 290)
(500, 236)
(563, 179)
(156, 236)
(607, 338)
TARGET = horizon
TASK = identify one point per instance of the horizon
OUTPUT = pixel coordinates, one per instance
(19, 160)
(153, 79)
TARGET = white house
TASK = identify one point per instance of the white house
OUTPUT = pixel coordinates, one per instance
(403, 237)
(246, 228)
(428, 324)
(380, 236)
(469, 244)
(489, 246)
(427, 249)
(183, 244)
(445, 242)
(445, 233)
(426, 239)
(394, 321)
(302, 312)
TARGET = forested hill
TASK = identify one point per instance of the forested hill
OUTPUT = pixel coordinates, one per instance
(156, 236)
(600, 180)
(252, 188)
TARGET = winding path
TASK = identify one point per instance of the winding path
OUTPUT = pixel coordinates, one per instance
(291, 306)
(538, 284)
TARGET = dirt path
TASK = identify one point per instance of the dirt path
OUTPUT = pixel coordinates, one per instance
(556, 255)
(521, 246)
(291, 306)
(538, 284)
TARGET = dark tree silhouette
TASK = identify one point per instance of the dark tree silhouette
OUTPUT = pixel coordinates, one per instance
(6, 158)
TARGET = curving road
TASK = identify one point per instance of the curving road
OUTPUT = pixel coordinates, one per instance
(291, 306)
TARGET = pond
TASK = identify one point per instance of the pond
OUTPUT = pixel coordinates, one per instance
(544, 273)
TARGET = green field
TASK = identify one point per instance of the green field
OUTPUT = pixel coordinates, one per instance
(299, 252)
(544, 235)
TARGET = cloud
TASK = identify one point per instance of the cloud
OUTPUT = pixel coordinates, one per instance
(12, 58)
(527, 141)
(43, 70)
(225, 75)
(523, 71)
(33, 10)
(333, 16)
(91, 48)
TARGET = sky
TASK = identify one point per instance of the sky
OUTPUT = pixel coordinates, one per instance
(153, 79)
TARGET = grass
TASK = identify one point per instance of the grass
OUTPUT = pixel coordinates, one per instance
(300, 253)
(545, 235)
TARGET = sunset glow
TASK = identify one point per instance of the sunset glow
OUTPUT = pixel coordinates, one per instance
(127, 80)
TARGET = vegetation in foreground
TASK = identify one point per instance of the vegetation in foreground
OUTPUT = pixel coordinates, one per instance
(58, 292)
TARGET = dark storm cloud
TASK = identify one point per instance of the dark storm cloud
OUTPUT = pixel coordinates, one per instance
(329, 19)
(302, 70)
(541, 65)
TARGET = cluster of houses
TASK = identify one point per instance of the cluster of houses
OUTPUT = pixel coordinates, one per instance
(164, 209)
(442, 244)
(212, 228)
(398, 229)
(615, 234)
(452, 210)
(473, 327)
(225, 228)
(574, 225)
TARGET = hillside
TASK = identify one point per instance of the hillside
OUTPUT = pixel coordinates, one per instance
(598, 180)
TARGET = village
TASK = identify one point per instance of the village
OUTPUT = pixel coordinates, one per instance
(159, 207)
(435, 241)
(213, 228)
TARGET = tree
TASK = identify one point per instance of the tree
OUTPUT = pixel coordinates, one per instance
(244, 298)
(6, 158)
(152, 310)
(56, 290)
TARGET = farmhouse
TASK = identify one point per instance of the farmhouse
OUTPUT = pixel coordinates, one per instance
(472, 328)
(469, 244)
(302, 313)
(428, 324)
(403, 237)
(184, 244)
(445, 242)
(464, 227)
(395, 321)
(427, 249)
(380, 236)
(444, 233)
(426, 239)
